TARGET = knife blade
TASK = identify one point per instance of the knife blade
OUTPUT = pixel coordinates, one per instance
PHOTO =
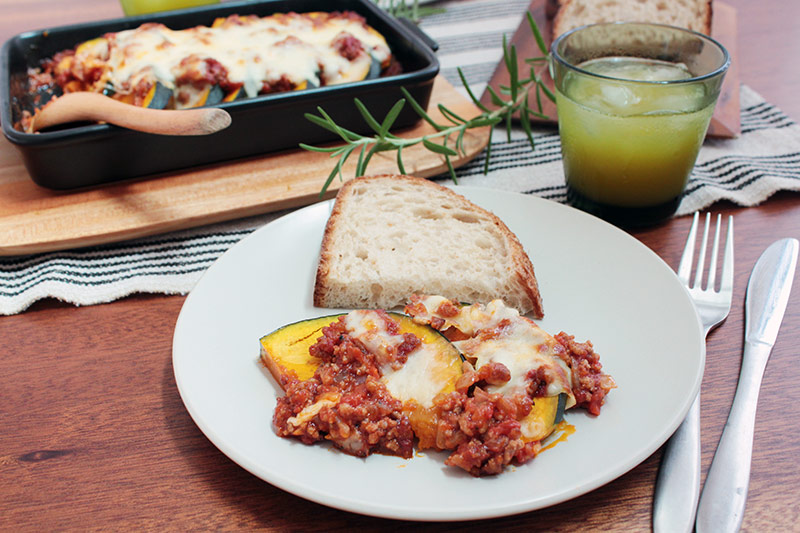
(724, 495)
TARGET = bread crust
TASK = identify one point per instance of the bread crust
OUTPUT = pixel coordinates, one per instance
(562, 21)
(521, 266)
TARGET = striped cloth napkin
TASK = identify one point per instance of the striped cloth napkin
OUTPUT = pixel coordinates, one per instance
(746, 170)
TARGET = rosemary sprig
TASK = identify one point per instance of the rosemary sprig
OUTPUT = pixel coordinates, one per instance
(448, 137)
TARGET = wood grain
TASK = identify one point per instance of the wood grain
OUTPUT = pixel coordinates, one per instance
(95, 437)
(725, 121)
(34, 219)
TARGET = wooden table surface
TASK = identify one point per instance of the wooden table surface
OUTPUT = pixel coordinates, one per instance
(93, 433)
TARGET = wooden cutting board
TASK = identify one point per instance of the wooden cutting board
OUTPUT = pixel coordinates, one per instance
(724, 123)
(34, 219)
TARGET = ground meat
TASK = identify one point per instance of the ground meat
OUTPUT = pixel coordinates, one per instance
(278, 86)
(589, 384)
(484, 430)
(348, 46)
(201, 72)
(344, 402)
(492, 373)
(537, 383)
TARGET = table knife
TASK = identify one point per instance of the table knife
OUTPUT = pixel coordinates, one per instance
(722, 501)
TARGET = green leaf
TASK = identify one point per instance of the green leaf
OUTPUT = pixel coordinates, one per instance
(460, 141)
(372, 151)
(469, 92)
(510, 59)
(537, 34)
(454, 118)
(539, 99)
(451, 169)
(496, 100)
(327, 122)
(535, 114)
(488, 155)
(336, 170)
(547, 92)
(310, 148)
(368, 118)
(421, 112)
(525, 119)
(479, 122)
(391, 116)
(360, 167)
(438, 148)
(400, 166)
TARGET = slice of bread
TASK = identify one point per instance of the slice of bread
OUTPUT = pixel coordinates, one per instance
(391, 236)
(692, 14)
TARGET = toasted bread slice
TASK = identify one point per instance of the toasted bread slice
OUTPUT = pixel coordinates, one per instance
(390, 236)
(692, 14)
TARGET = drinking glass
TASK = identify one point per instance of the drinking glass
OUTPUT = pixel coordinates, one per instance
(634, 103)
(140, 7)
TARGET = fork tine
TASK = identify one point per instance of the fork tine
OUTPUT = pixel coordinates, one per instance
(726, 285)
(712, 266)
(685, 266)
(701, 258)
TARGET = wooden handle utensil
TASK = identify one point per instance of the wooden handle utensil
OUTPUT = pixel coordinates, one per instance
(86, 106)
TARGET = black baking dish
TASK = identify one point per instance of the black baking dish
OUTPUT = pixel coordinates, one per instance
(93, 154)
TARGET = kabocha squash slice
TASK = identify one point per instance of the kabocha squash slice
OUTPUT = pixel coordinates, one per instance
(545, 414)
(437, 362)
(157, 97)
(286, 349)
(236, 94)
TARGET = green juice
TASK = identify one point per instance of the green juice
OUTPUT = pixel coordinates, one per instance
(630, 145)
(139, 7)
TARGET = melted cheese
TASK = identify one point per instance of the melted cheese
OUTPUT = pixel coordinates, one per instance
(519, 344)
(424, 373)
(310, 411)
(256, 50)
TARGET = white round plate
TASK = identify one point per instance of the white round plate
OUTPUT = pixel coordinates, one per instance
(597, 282)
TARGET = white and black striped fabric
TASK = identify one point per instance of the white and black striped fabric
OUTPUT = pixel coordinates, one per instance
(746, 170)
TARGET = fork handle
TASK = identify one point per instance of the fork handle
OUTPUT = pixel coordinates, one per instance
(724, 495)
(678, 483)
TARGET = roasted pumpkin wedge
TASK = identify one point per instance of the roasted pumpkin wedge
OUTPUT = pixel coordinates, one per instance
(437, 362)
(157, 97)
(431, 369)
(234, 95)
(285, 350)
(545, 414)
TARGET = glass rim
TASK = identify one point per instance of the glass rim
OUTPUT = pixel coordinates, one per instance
(694, 79)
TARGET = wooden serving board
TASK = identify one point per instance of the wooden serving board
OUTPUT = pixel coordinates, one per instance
(34, 219)
(726, 119)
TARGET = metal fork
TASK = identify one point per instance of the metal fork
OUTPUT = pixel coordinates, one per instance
(678, 483)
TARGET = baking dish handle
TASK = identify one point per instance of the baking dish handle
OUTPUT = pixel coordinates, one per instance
(413, 28)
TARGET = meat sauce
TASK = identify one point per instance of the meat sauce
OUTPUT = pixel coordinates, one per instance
(346, 403)
(356, 412)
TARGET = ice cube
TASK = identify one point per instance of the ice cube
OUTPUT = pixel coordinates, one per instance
(616, 98)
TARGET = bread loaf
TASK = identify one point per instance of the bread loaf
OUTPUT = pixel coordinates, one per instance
(692, 14)
(391, 236)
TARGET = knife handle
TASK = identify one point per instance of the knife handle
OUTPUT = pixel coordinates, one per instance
(724, 495)
(678, 483)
